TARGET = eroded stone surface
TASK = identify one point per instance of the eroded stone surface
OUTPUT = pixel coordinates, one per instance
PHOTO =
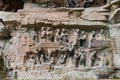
(61, 43)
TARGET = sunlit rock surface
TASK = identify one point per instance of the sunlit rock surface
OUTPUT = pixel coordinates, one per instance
(61, 43)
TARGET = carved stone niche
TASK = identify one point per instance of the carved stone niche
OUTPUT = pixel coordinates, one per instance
(48, 49)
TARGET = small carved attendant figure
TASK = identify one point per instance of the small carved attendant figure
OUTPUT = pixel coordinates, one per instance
(41, 58)
(63, 57)
(92, 58)
(33, 34)
(57, 36)
(82, 58)
(70, 52)
(83, 37)
(52, 63)
(76, 59)
(64, 36)
(76, 36)
(102, 61)
(91, 38)
(49, 34)
(43, 34)
(32, 62)
(101, 35)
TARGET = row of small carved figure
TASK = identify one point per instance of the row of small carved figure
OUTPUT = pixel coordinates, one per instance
(67, 38)
(71, 59)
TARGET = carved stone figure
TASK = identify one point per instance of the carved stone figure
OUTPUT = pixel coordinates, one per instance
(57, 36)
(83, 38)
(63, 57)
(64, 36)
(42, 35)
(91, 37)
(100, 36)
(82, 57)
(32, 62)
(10, 72)
(52, 63)
(41, 58)
(70, 52)
(33, 34)
(49, 34)
(76, 59)
(102, 61)
(76, 36)
(57, 55)
(92, 58)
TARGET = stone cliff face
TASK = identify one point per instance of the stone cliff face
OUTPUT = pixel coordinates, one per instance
(61, 43)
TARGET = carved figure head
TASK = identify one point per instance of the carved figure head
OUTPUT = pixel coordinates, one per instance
(93, 32)
(58, 30)
(78, 30)
(43, 28)
(63, 30)
(101, 31)
(48, 29)
(83, 32)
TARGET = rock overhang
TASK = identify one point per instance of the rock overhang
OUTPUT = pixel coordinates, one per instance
(58, 17)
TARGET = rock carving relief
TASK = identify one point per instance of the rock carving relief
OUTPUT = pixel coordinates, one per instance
(47, 47)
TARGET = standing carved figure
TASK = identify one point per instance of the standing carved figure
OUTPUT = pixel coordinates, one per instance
(70, 53)
(49, 34)
(41, 58)
(64, 36)
(100, 36)
(82, 58)
(32, 62)
(91, 38)
(92, 58)
(42, 35)
(33, 34)
(76, 59)
(76, 36)
(83, 38)
(52, 63)
(102, 61)
(63, 57)
(57, 36)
